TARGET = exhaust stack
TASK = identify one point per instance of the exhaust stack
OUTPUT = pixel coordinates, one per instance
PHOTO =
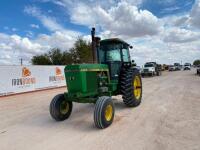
(95, 45)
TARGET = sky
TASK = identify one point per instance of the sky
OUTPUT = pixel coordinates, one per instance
(165, 31)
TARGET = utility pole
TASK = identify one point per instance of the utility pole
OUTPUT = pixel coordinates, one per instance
(21, 61)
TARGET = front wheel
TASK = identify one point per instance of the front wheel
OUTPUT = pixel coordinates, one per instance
(60, 109)
(104, 112)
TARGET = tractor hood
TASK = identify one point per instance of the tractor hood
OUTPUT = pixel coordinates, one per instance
(82, 79)
(86, 67)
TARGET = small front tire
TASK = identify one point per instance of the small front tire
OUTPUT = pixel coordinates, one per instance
(60, 109)
(104, 112)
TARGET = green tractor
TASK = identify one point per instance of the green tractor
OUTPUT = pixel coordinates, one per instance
(112, 73)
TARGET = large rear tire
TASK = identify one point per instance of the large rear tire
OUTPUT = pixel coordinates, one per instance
(131, 87)
(104, 112)
(60, 109)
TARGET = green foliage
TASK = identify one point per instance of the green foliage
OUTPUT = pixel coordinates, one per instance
(196, 62)
(80, 53)
(41, 60)
(55, 55)
(67, 58)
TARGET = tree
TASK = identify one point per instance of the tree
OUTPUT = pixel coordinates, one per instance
(196, 62)
(67, 58)
(80, 53)
(41, 60)
(55, 55)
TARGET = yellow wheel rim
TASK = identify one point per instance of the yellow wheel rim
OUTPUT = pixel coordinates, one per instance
(108, 112)
(64, 107)
(137, 90)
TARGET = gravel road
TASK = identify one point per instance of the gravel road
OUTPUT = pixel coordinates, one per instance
(167, 119)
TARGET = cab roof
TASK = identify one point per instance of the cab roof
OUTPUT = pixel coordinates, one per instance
(113, 40)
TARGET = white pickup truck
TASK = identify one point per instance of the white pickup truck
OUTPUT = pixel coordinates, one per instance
(151, 69)
(187, 66)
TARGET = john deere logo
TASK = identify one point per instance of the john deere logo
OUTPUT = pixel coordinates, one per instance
(25, 78)
(57, 77)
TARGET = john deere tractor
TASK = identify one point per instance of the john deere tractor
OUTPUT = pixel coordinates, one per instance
(112, 73)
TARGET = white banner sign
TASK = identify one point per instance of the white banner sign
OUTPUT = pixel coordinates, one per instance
(19, 79)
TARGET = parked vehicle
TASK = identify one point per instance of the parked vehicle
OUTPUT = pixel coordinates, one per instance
(151, 69)
(177, 66)
(139, 68)
(187, 66)
(165, 67)
(198, 70)
(171, 68)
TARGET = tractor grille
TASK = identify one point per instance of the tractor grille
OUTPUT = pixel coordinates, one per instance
(146, 70)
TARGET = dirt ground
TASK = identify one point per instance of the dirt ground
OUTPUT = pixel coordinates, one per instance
(167, 119)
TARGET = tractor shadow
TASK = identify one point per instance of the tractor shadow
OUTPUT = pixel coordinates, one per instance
(81, 118)
(119, 105)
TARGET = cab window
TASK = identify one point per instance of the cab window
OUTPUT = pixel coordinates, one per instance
(125, 55)
(113, 55)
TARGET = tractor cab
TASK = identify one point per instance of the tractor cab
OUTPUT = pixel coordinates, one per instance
(115, 53)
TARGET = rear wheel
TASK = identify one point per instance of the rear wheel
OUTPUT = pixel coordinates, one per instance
(60, 109)
(158, 73)
(104, 112)
(131, 87)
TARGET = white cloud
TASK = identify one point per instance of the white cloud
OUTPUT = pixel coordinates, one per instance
(122, 20)
(14, 46)
(57, 39)
(166, 40)
(105, 4)
(194, 15)
(170, 41)
(178, 35)
(181, 21)
(155, 49)
(49, 22)
(29, 34)
(14, 29)
(189, 20)
(34, 26)
(24, 44)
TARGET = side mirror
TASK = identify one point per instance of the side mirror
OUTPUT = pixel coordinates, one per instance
(131, 47)
(132, 61)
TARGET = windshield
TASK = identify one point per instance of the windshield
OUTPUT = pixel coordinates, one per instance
(187, 64)
(148, 65)
(111, 52)
(176, 64)
(113, 55)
